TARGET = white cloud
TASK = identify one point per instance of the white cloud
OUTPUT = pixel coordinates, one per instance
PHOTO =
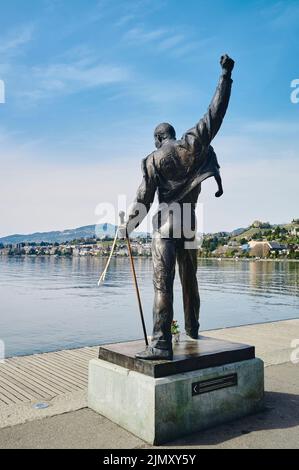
(271, 127)
(139, 35)
(72, 77)
(258, 140)
(282, 14)
(260, 178)
(12, 42)
(177, 43)
(257, 190)
(39, 197)
(125, 19)
(191, 48)
(65, 75)
(171, 42)
(162, 92)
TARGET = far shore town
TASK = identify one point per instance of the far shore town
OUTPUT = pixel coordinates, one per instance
(259, 241)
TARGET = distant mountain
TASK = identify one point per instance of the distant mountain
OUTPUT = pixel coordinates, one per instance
(88, 231)
(233, 233)
(102, 230)
(264, 227)
(237, 232)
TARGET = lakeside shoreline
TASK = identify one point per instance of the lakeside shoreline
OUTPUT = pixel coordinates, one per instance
(58, 291)
(215, 258)
(92, 345)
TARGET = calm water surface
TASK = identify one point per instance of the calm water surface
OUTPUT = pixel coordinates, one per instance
(54, 303)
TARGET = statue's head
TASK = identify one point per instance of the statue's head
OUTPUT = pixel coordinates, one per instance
(164, 132)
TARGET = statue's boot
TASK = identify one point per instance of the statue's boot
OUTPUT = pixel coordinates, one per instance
(193, 335)
(154, 354)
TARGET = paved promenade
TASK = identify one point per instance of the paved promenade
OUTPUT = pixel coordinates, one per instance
(275, 428)
(59, 379)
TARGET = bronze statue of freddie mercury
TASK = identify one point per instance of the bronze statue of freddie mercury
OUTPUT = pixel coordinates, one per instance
(176, 170)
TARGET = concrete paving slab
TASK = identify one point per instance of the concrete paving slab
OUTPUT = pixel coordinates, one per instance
(22, 378)
(277, 427)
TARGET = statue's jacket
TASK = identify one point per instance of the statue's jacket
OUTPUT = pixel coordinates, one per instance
(177, 169)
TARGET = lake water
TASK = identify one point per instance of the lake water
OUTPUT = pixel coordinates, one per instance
(51, 303)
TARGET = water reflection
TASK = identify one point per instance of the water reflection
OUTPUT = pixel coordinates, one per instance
(50, 303)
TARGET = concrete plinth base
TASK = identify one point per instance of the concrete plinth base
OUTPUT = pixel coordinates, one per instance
(161, 409)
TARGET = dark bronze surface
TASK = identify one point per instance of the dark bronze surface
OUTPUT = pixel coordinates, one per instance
(188, 355)
(175, 171)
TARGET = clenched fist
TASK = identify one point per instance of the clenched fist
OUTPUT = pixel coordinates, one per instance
(227, 63)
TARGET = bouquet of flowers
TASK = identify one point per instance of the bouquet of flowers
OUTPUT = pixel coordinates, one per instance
(175, 331)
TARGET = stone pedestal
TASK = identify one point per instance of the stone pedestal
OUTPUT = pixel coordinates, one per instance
(209, 382)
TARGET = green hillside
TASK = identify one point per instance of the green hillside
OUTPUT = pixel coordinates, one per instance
(264, 229)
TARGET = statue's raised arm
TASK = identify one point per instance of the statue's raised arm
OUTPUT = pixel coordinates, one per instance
(206, 129)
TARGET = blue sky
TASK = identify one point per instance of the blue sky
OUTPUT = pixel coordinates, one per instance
(87, 81)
